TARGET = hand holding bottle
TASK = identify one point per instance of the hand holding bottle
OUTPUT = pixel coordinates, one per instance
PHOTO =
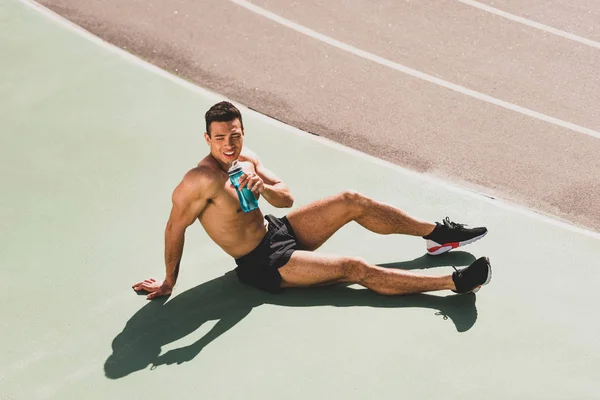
(252, 182)
(240, 181)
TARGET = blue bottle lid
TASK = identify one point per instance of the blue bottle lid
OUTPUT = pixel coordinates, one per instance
(235, 168)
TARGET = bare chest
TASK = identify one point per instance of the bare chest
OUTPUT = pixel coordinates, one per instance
(225, 204)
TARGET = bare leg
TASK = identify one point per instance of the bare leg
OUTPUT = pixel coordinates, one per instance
(312, 269)
(317, 221)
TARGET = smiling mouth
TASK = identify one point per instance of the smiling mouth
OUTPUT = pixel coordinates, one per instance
(229, 153)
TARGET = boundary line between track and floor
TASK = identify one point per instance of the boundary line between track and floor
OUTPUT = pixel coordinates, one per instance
(195, 88)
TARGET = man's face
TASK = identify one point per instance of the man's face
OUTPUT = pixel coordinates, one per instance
(226, 140)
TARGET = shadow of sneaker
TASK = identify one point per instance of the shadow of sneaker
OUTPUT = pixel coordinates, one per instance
(460, 309)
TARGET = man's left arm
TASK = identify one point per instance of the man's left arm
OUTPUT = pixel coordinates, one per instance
(267, 184)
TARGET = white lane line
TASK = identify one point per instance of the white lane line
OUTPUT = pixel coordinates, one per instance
(51, 15)
(412, 72)
(531, 23)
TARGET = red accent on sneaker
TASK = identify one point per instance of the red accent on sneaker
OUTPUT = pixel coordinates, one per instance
(454, 245)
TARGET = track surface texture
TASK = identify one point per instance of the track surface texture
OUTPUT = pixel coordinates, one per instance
(322, 89)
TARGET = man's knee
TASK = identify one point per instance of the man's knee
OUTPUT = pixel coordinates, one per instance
(354, 200)
(355, 269)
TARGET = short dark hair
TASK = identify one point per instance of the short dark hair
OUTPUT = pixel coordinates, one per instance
(222, 112)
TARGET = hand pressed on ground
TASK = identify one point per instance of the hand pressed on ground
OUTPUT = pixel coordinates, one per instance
(154, 288)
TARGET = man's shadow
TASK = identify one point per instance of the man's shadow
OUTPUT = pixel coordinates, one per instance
(226, 300)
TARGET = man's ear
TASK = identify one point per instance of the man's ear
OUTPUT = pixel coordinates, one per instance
(207, 138)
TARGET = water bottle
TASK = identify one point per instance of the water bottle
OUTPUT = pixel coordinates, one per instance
(247, 199)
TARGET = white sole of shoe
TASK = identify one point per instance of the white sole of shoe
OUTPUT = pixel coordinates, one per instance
(489, 278)
(441, 249)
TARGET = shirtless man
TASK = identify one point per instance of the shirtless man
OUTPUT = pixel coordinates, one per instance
(274, 253)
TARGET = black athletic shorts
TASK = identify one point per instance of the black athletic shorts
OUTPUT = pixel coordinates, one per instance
(259, 268)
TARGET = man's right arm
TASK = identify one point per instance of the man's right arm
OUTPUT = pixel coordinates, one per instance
(189, 200)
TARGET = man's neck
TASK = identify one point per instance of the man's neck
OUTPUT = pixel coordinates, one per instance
(222, 166)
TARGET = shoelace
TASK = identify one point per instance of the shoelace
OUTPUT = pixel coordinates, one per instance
(452, 225)
(458, 271)
(442, 314)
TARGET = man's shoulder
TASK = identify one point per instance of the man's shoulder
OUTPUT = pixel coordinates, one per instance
(202, 171)
(202, 179)
(203, 175)
(248, 155)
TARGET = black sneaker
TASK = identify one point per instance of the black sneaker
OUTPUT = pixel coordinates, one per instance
(449, 235)
(473, 277)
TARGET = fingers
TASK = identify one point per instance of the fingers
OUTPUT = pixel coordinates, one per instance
(147, 284)
(257, 188)
(252, 181)
(255, 184)
(244, 179)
